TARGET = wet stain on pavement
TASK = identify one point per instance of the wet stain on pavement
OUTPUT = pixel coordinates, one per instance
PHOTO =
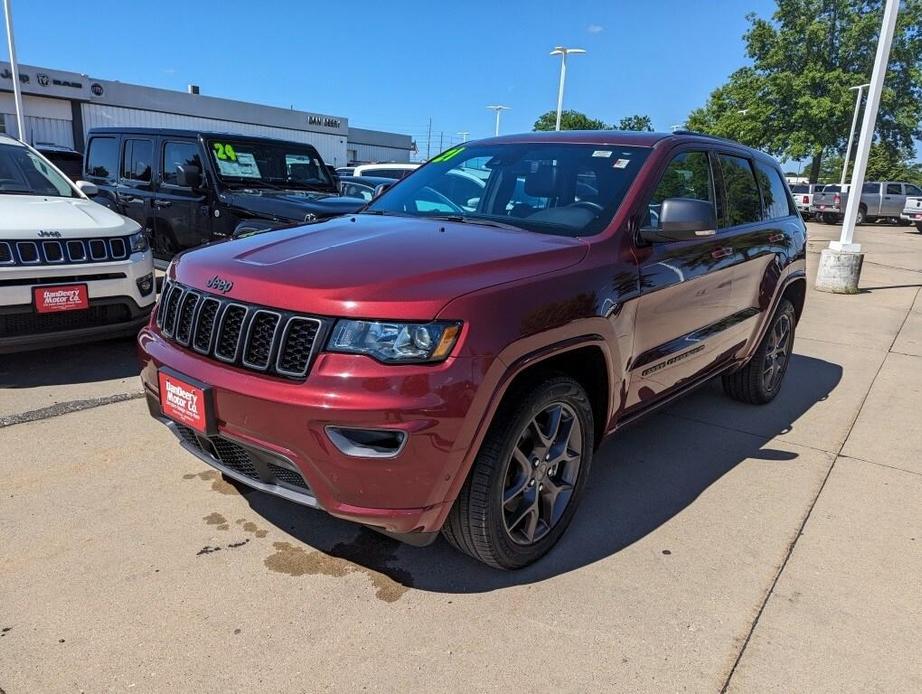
(209, 549)
(251, 527)
(371, 549)
(4, 631)
(218, 483)
(215, 519)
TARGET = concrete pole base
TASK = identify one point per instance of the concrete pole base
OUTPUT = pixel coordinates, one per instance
(839, 271)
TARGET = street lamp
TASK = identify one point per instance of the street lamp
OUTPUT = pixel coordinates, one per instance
(563, 52)
(14, 69)
(851, 134)
(463, 134)
(498, 109)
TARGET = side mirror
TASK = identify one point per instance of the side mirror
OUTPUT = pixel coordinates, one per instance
(87, 188)
(681, 219)
(189, 176)
(380, 188)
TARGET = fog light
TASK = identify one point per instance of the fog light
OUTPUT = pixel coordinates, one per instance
(146, 284)
(367, 443)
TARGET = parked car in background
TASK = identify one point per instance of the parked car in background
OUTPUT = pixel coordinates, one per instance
(361, 186)
(803, 196)
(384, 170)
(879, 200)
(189, 188)
(69, 161)
(70, 270)
(912, 211)
(449, 361)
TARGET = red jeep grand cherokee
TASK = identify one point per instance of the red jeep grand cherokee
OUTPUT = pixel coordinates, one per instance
(450, 357)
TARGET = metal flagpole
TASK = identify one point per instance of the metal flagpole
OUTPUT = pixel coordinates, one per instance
(14, 68)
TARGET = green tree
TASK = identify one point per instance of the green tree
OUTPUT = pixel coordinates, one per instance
(569, 120)
(885, 163)
(794, 99)
(635, 122)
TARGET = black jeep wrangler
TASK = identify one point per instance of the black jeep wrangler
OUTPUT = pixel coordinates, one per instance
(189, 188)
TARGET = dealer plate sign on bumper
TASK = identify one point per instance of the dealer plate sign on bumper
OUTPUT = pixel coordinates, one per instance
(187, 401)
(61, 297)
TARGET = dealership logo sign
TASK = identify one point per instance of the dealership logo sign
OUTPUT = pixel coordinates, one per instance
(96, 88)
(324, 121)
(43, 79)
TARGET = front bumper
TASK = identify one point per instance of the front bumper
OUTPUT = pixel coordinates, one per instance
(116, 306)
(283, 423)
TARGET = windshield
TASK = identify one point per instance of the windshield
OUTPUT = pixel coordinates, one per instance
(549, 188)
(270, 165)
(800, 188)
(23, 172)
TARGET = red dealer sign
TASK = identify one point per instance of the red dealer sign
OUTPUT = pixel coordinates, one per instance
(186, 403)
(69, 297)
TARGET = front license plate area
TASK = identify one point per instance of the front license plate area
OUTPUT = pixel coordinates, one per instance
(187, 401)
(60, 297)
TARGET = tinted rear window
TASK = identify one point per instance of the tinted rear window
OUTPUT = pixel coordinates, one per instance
(774, 196)
(744, 204)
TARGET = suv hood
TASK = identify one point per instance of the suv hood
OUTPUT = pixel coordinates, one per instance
(375, 267)
(23, 216)
(291, 205)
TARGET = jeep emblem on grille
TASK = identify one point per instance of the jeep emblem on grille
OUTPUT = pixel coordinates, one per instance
(221, 284)
(49, 234)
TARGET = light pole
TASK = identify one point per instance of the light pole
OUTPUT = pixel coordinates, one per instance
(463, 134)
(499, 109)
(840, 265)
(851, 133)
(563, 52)
(14, 68)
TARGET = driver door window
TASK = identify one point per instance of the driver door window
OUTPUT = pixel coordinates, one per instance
(687, 176)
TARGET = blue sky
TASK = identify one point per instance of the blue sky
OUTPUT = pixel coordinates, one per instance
(393, 65)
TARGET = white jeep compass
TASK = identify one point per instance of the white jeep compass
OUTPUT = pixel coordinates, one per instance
(70, 270)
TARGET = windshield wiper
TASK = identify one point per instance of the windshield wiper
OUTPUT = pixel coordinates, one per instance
(466, 219)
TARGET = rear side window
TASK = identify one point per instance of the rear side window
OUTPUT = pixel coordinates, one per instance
(871, 188)
(384, 173)
(688, 175)
(744, 205)
(913, 190)
(177, 154)
(102, 158)
(894, 189)
(136, 165)
(774, 196)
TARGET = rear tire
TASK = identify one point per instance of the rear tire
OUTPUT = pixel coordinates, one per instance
(919, 227)
(862, 215)
(760, 380)
(528, 477)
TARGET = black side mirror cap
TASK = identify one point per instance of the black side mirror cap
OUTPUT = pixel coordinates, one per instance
(682, 219)
(189, 176)
(380, 188)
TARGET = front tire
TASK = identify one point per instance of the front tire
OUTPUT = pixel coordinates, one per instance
(760, 380)
(919, 227)
(528, 477)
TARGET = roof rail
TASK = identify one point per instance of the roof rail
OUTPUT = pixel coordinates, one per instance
(707, 135)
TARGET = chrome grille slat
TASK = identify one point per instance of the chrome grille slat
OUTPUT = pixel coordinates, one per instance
(185, 320)
(76, 251)
(118, 249)
(230, 332)
(53, 251)
(6, 254)
(28, 252)
(205, 324)
(252, 337)
(62, 251)
(98, 249)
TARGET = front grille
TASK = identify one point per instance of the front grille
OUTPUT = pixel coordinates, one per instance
(18, 324)
(245, 335)
(253, 464)
(59, 252)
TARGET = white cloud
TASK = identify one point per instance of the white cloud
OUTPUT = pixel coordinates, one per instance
(595, 28)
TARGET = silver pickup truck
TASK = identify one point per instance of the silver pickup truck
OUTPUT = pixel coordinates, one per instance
(879, 200)
(912, 212)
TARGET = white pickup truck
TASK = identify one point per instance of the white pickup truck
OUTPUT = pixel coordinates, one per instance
(879, 200)
(70, 270)
(912, 212)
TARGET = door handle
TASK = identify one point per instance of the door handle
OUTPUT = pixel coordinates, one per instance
(162, 203)
(721, 252)
(130, 199)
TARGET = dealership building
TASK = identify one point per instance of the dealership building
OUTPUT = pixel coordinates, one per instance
(61, 107)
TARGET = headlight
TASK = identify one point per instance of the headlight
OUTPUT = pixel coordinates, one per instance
(138, 242)
(405, 343)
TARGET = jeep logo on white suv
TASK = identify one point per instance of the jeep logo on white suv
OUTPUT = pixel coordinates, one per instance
(49, 234)
(220, 284)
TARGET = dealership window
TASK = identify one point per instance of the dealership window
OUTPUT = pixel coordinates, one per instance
(744, 205)
(773, 193)
(136, 165)
(102, 157)
(177, 154)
